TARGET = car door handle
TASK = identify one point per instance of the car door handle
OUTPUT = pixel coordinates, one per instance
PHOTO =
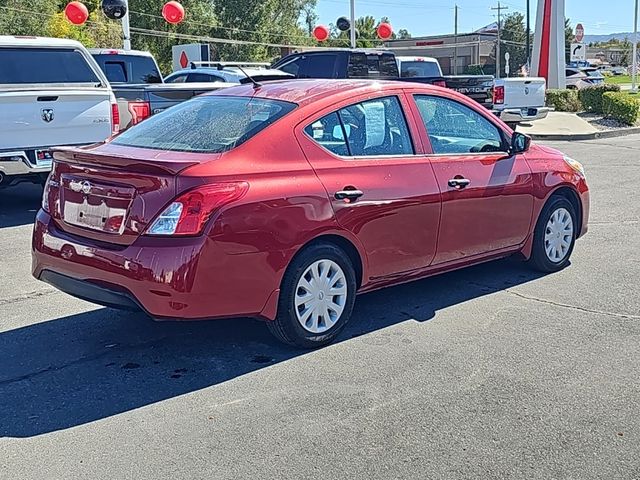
(459, 183)
(351, 194)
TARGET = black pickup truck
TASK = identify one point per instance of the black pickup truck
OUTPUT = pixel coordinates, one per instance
(383, 65)
(346, 63)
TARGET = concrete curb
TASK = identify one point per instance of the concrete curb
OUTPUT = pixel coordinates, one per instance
(622, 132)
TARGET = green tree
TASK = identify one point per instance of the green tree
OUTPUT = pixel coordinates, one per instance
(514, 37)
(403, 34)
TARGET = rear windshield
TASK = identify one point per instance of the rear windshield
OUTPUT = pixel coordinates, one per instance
(209, 124)
(129, 68)
(419, 69)
(363, 65)
(44, 65)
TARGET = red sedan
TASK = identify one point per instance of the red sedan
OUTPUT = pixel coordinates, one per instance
(283, 201)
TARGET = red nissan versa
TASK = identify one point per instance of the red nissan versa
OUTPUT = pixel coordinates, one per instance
(284, 200)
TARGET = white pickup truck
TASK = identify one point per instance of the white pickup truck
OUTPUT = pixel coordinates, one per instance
(519, 99)
(52, 93)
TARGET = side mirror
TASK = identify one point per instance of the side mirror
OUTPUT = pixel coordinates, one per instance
(520, 143)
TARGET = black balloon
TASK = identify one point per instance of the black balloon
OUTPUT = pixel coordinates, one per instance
(114, 9)
(343, 24)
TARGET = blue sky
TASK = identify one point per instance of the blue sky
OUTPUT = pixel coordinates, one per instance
(434, 17)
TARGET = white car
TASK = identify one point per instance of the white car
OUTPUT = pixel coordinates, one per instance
(52, 93)
(228, 72)
(519, 99)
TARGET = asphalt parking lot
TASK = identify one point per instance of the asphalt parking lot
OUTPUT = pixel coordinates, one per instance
(491, 372)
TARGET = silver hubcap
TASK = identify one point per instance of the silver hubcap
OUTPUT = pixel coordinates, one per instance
(558, 235)
(321, 295)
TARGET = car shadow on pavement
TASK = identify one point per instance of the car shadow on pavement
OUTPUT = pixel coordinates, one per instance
(19, 204)
(78, 369)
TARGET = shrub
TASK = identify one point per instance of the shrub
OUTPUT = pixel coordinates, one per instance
(591, 97)
(621, 106)
(564, 100)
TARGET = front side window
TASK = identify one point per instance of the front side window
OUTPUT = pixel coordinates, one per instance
(454, 128)
(208, 124)
(372, 128)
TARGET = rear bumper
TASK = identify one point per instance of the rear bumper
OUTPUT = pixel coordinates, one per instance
(17, 163)
(168, 278)
(106, 296)
(516, 115)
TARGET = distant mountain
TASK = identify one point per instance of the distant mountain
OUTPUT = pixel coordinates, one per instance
(606, 38)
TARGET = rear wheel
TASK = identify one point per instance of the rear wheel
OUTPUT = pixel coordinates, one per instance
(316, 297)
(554, 236)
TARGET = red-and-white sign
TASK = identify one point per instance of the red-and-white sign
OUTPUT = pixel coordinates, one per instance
(579, 33)
(183, 55)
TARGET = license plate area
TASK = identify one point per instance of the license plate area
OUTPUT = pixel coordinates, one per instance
(95, 206)
(43, 158)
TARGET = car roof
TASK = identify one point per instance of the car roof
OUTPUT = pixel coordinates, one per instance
(119, 51)
(306, 91)
(415, 59)
(230, 70)
(22, 41)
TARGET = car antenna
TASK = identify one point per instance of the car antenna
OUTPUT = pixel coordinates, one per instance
(256, 85)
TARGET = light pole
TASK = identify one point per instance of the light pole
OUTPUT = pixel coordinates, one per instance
(634, 73)
(126, 32)
(352, 32)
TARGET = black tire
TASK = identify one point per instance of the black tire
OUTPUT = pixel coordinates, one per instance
(512, 125)
(539, 259)
(286, 326)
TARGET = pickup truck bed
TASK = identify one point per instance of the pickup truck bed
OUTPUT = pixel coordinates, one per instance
(137, 102)
(478, 87)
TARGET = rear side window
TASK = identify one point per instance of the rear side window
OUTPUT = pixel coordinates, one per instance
(329, 133)
(181, 78)
(372, 128)
(44, 65)
(208, 124)
(203, 77)
(420, 69)
(136, 68)
(454, 128)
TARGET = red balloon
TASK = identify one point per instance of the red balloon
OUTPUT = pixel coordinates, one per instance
(385, 31)
(76, 13)
(321, 33)
(173, 12)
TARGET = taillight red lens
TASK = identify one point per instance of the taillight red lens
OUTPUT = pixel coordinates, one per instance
(115, 119)
(139, 111)
(498, 95)
(440, 83)
(189, 213)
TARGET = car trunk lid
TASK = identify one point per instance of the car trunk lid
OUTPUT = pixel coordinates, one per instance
(111, 194)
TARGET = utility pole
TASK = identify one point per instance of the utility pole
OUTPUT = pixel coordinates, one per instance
(352, 32)
(455, 40)
(126, 32)
(499, 8)
(528, 39)
(634, 80)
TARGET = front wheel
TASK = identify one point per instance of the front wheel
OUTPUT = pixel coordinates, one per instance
(316, 297)
(554, 236)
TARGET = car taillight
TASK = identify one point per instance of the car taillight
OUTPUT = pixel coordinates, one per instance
(498, 95)
(440, 83)
(115, 119)
(139, 111)
(51, 192)
(189, 213)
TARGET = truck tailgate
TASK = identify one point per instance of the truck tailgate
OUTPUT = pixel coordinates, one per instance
(523, 92)
(52, 117)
